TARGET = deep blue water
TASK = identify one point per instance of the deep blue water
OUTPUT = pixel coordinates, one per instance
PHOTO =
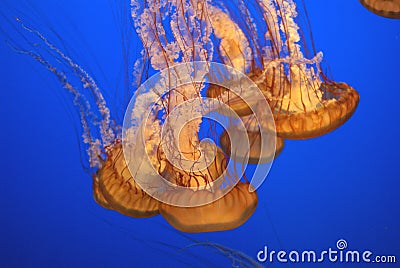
(344, 185)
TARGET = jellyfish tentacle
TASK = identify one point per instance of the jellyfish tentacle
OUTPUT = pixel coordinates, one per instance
(304, 105)
(95, 148)
(107, 134)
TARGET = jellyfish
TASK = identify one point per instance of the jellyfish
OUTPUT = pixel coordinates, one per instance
(239, 259)
(306, 104)
(304, 101)
(236, 207)
(114, 186)
(234, 50)
(385, 8)
(258, 152)
(203, 191)
(119, 187)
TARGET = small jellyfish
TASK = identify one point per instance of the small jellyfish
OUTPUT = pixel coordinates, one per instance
(258, 152)
(385, 8)
(234, 101)
(234, 50)
(239, 259)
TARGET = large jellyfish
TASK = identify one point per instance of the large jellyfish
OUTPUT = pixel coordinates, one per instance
(384, 8)
(305, 103)
(114, 186)
(206, 186)
(234, 50)
(189, 181)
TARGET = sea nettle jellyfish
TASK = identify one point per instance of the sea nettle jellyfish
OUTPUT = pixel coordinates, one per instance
(385, 8)
(113, 186)
(305, 103)
(195, 182)
(257, 152)
(156, 163)
(234, 50)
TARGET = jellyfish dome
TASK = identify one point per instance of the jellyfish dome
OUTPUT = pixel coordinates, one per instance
(196, 183)
(257, 152)
(115, 188)
(234, 50)
(268, 90)
(305, 103)
(304, 110)
(385, 8)
(226, 213)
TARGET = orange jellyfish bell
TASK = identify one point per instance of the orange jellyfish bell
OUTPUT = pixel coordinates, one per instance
(114, 188)
(198, 191)
(206, 187)
(255, 153)
(258, 152)
(385, 8)
(113, 185)
(228, 212)
(212, 205)
(200, 178)
(236, 103)
(305, 104)
(234, 51)
(98, 195)
(303, 110)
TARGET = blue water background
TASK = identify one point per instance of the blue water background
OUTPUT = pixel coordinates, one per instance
(344, 185)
